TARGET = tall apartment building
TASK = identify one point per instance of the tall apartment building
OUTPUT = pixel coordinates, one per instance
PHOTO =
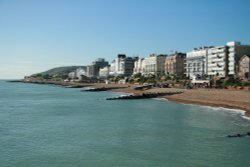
(217, 61)
(139, 66)
(196, 63)
(122, 65)
(235, 52)
(174, 64)
(224, 60)
(104, 72)
(154, 64)
(93, 70)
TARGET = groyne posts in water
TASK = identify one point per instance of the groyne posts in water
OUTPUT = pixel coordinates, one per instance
(143, 96)
(103, 89)
(239, 135)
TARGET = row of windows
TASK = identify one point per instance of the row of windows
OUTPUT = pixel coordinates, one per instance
(194, 70)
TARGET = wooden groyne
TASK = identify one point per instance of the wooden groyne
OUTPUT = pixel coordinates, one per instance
(15, 81)
(57, 83)
(144, 96)
(102, 89)
(239, 135)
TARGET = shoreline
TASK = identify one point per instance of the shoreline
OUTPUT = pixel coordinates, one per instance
(230, 99)
(210, 101)
(209, 104)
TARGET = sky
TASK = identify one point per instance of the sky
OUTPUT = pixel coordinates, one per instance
(39, 35)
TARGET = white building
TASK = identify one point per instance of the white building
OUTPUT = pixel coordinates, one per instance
(154, 64)
(93, 69)
(139, 66)
(117, 65)
(72, 75)
(235, 52)
(80, 72)
(217, 61)
(196, 63)
(122, 65)
(104, 72)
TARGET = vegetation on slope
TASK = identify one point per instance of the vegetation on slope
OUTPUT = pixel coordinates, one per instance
(58, 72)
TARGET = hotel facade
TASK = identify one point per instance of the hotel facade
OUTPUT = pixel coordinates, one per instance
(220, 61)
(174, 64)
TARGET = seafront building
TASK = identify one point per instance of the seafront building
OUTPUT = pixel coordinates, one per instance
(139, 66)
(80, 72)
(200, 63)
(154, 64)
(235, 51)
(244, 68)
(196, 63)
(224, 60)
(104, 72)
(217, 61)
(220, 61)
(174, 64)
(72, 75)
(122, 65)
(93, 70)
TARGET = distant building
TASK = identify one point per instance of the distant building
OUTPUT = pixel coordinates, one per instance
(224, 60)
(90, 71)
(154, 64)
(139, 66)
(196, 63)
(221, 61)
(217, 61)
(129, 65)
(104, 72)
(235, 52)
(93, 70)
(72, 75)
(80, 72)
(174, 64)
(122, 65)
(244, 67)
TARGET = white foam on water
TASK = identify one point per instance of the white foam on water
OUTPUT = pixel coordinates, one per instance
(236, 111)
(161, 99)
(245, 117)
(228, 110)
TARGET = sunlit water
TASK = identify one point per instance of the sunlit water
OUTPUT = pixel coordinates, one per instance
(43, 125)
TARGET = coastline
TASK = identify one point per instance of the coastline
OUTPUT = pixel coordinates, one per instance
(210, 104)
(231, 99)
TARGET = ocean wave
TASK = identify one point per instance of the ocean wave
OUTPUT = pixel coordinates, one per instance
(161, 99)
(234, 112)
(245, 117)
(238, 111)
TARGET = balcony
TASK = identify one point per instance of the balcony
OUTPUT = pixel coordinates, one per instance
(212, 65)
(217, 60)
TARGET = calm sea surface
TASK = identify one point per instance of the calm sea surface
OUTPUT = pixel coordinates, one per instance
(43, 125)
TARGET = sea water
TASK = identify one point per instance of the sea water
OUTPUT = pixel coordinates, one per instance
(44, 125)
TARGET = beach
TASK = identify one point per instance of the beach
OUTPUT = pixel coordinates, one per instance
(233, 99)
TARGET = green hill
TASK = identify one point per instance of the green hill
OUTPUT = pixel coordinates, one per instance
(58, 71)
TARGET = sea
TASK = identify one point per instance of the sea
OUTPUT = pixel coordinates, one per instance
(52, 126)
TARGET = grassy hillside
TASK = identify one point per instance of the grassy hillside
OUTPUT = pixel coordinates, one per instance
(58, 71)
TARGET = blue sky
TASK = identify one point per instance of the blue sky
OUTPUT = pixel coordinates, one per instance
(39, 35)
